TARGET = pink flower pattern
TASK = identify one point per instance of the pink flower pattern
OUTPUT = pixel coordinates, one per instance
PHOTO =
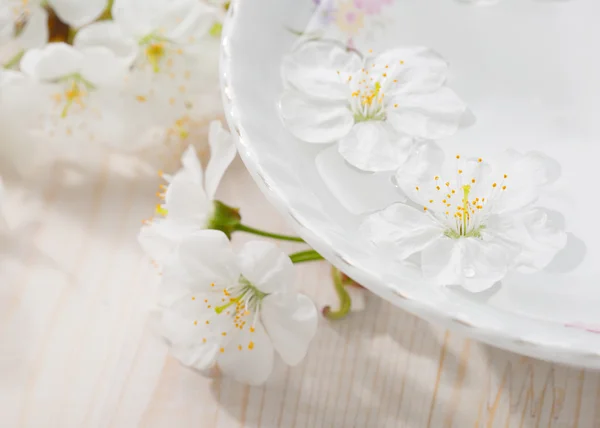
(371, 7)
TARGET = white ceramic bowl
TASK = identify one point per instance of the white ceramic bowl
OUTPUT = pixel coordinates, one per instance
(528, 70)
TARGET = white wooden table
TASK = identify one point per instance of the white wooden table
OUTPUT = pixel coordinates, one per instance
(76, 349)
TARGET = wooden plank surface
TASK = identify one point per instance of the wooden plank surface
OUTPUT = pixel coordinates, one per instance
(77, 348)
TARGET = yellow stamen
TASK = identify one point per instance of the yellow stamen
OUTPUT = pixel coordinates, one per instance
(155, 53)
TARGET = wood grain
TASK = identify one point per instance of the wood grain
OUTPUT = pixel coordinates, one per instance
(77, 347)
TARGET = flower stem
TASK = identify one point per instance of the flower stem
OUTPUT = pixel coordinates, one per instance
(14, 60)
(306, 256)
(345, 300)
(107, 14)
(247, 229)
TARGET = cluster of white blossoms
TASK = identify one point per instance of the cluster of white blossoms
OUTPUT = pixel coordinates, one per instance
(219, 309)
(464, 223)
(129, 74)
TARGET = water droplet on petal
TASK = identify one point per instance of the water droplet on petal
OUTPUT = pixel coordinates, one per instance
(469, 272)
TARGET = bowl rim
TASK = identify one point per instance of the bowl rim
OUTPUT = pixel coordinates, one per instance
(562, 345)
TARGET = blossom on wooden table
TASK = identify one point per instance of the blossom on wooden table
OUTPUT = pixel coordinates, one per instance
(234, 311)
(189, 203)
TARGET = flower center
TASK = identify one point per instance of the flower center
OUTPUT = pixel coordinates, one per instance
(75, 92)
(156, 49)
(367, 92)
(238, 304)
(155, 53)
(368, 102)
(463, 214)
(244, 299)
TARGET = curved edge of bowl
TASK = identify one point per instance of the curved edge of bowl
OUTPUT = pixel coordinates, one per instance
(561, 348)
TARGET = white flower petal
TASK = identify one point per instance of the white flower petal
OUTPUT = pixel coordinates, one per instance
(102, 67)
(35, 34)
(374, 146)
(424, 162)
(78, 13)
(177, 283)
(291, 322)
(528, 175)
(441, 262)
(186, 202)
(415, 70)
(184, 328)
(109, 35)
(200, 357)
(250, 366)
(312, 68)
(402, 229)
(476, 264)
(535, 233)
(191, 167)
(197, 19)
(137, 18)
(222, 153)
(432, 116)
(54, 61)
(178, 321)
(485, 262)
(266, 266)
(358, 191)
(208, 258)
(315, 121)
(157, 240)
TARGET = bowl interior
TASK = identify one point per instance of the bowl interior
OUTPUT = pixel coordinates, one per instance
(528, 71)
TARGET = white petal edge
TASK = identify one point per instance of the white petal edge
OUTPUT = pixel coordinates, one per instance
(291, 322)
(52, 62)
(312, 68)
(186, 203)
(359, 192)
(249, 366)
(315, 121)
(209, 259)
(109, 35)
(402, 229)
(415, 70)
(78, 13)
(430, 116)
(374, 146)
(191, 167)
(533, 171)
(185, 336)
(157, 241)
(102, 67)
(266, 266)
(222, 153)
(36, 33)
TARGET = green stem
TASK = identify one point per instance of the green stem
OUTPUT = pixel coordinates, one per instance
(107, 14)
(305, 256)
(14, 60)
(345, 300)
(247, 229)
